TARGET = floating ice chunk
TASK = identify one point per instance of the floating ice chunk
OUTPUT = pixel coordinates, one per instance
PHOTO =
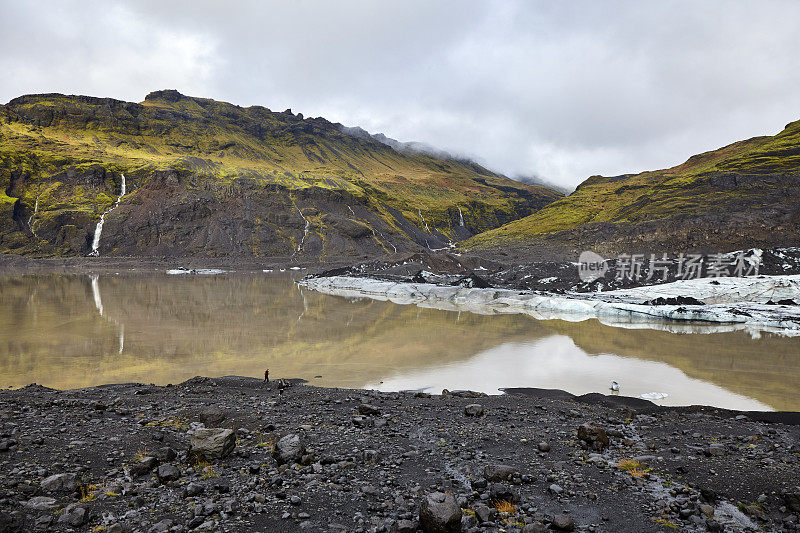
(653, 395)
(200, 271)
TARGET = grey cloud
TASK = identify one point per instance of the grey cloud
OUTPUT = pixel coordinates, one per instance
(560, 90)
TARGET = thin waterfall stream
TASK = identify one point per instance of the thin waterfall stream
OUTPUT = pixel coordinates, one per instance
(99, 229)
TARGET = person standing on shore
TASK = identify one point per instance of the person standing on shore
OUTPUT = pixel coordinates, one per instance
(266, 376)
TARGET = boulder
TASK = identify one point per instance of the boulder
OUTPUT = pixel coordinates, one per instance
(499, 492)
(473, 409)
(499, 472)
(368, 410)
(212, 443)
(212, 416)
(439, 513)
(144, 466)
(792, 499)
(594, 436)
(483, 512)
(168, 473)
(536, 527)
(714, 450)
(60, 483)
(41, 503)
(289, 449)
(563, 522)
(404, 526)
(74, 515)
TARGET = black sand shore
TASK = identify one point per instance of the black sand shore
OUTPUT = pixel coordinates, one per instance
(121, 458)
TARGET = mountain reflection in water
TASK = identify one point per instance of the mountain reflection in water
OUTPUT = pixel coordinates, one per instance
(72, 331)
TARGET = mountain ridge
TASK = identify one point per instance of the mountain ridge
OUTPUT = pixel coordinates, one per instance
(277, 175)
(743, 195)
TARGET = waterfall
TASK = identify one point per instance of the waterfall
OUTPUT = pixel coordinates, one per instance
(99, 229)
(460, 217)
(423, 221)
(31, 220)
(305, 231)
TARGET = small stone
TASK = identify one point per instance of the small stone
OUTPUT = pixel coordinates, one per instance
(75, 515)
(544, 447)
(499, 492)
(536, 527)
(555, 489)
(295, 500)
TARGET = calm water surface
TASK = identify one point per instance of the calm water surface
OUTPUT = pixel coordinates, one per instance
(72, 331)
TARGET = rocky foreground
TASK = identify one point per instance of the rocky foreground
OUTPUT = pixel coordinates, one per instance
(234, 454)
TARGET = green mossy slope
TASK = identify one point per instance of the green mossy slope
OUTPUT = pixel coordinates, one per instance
(747, 178)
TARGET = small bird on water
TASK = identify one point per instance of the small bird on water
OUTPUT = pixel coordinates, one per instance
(615, 386)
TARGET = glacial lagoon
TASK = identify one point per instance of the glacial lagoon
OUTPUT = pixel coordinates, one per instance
(75, 331)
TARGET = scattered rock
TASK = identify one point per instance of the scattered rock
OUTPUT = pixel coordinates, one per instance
(499, 492)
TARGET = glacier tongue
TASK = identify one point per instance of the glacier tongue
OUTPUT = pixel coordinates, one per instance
(734, 303)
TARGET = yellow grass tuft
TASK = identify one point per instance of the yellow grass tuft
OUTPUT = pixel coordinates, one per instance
(505, 506)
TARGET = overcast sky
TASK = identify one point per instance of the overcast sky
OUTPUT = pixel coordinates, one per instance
(561, 90)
